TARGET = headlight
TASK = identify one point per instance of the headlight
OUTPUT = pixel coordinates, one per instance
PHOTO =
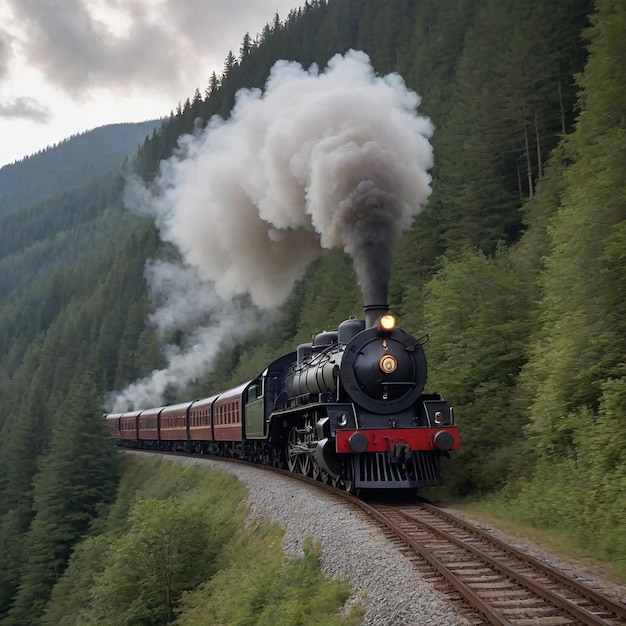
(386, 323)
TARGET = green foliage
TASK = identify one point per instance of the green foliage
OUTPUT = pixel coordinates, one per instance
(582, 343)
(476, 316)
(70, 164)
(180, 533)
(169, 547)
(71, 594)
(78, 477)
(259, 586)
(575, 373)
(567, 493)
(163, 536)
(50, 320)
(492, 148)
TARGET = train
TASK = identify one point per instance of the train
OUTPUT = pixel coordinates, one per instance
(347, 408)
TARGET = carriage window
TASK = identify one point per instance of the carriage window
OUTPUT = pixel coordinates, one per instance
(253, 393)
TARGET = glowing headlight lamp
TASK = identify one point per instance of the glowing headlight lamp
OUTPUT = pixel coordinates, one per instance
(386, 323)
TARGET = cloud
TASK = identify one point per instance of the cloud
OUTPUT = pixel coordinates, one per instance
(5, 52)
(82, 45)
(25, 108)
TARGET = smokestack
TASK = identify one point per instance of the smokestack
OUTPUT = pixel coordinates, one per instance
(373, 312)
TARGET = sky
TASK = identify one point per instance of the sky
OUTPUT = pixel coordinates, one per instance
(67, 66)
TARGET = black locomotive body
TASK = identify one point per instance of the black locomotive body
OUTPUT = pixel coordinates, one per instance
(348, 408)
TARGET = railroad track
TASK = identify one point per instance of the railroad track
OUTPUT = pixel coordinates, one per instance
(497, 583)
(502, 584)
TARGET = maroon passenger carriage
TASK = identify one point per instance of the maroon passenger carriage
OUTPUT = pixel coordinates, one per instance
(200, 425)
(347, 408)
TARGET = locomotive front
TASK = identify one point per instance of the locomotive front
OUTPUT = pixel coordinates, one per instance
(374, 425)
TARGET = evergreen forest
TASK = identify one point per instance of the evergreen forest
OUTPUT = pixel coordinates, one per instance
(514, 271)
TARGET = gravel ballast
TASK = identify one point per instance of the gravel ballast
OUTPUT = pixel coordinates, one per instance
(382, 580)
(391, 590)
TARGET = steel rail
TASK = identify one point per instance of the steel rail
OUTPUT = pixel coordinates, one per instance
(592, 594)
(580, 613)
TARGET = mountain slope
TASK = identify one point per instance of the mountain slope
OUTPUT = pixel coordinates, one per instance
(71, 163)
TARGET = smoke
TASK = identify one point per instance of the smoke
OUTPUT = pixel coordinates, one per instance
(334, 159)
(320, 159)
(186, 306)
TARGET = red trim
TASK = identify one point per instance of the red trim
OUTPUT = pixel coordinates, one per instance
(150, 434)
(173, 434)
(228, 432)
(200, 433)
(382, 440)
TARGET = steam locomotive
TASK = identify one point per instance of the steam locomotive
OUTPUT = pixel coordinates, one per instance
(348, 408)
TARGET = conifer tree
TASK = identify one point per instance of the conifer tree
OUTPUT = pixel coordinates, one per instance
(246, 46)
(229, 63)
(78, 476)
(214, 85)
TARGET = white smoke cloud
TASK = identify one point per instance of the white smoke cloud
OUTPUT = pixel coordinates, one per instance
(185, 364)
(172, 284)
(320, 159)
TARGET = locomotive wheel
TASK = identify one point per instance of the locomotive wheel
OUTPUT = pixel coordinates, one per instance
(290, 452)
(318, 473)
(305, 465)
(298, 460)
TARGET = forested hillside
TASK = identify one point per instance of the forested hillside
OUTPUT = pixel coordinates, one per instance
(515, 270)
(70, 164)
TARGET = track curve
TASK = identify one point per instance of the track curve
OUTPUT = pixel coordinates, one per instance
(490, 581)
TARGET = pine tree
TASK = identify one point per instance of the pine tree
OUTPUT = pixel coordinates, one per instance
(229, 63)
(78, 477)
(246, 46)
(214, 85)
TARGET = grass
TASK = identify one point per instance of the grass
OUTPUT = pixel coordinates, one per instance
(501, 516)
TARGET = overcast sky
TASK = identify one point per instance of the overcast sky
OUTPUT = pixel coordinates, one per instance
(67, 66)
